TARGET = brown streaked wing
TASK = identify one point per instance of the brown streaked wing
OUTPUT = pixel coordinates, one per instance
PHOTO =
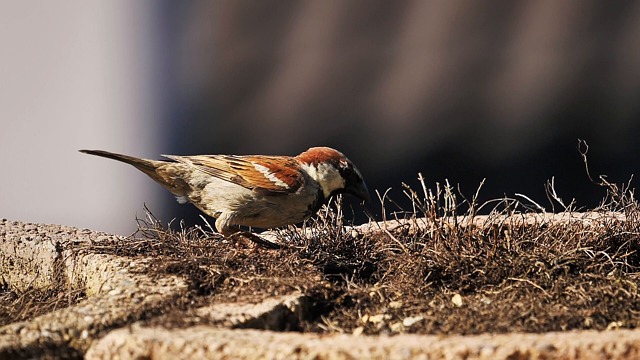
(242, 170)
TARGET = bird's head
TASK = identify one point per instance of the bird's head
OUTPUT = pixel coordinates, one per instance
(334, 172)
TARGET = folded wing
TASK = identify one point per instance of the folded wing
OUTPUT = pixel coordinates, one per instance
(266, 174)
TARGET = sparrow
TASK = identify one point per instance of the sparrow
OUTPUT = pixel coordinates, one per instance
(253, 190)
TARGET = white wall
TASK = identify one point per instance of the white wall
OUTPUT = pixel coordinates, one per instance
(75, 74)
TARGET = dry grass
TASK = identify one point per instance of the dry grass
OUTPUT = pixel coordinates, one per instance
(33, 302)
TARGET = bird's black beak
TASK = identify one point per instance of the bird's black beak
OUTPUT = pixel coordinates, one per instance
(360, 190)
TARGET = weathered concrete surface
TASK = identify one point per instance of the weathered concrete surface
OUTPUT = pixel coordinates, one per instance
(422, 224)
(120, 299)
(210, 343)
(589, 218)
(277, 313)
(43, 256)
(119, 293)
(29, 253)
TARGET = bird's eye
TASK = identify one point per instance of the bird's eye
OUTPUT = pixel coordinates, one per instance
(347, 171)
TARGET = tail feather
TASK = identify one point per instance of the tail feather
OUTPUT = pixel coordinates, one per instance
(161, 171)
(146, 166)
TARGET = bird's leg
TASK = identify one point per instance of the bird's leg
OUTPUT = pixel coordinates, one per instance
(236, 233)
(256, 239)
(233, 232)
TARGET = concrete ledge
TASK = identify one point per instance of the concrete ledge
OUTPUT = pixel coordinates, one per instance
(423, 224)
(116, 295)
(117, 288)
(120, 291)
(210, 343)
(274, 313)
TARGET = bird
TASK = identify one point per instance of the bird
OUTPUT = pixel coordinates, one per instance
(257, 191)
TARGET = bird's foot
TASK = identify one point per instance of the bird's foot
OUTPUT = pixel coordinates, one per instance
(254, 240)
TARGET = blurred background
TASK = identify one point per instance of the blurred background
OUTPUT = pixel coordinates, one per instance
(456, 90)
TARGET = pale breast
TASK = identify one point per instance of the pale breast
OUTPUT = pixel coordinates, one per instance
(257, 209)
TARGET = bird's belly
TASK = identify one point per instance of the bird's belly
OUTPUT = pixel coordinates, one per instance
(271, 214)
(249, 208)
